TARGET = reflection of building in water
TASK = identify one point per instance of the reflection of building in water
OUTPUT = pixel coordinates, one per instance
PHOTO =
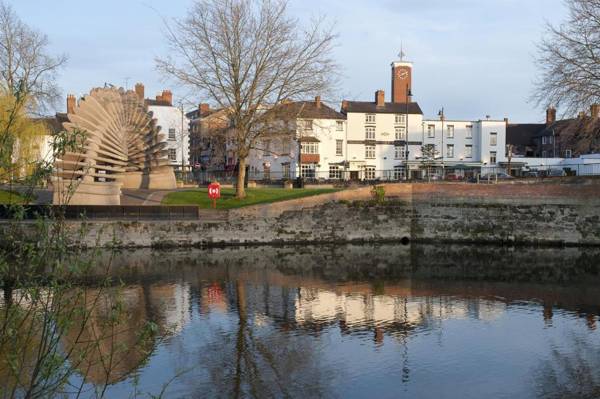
(171, 303)
(364, 309)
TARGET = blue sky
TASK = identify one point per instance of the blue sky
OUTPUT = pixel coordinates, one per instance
(472, 57)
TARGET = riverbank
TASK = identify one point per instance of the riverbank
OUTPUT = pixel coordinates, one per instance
(497, 214)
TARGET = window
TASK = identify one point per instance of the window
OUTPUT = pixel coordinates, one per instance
(568, 153)
(335, 172)
(469, 134)
(493, 139)
(339, 147)
(450, 150)
(400, 119)
(544, 139)
(492, 157)
(450, 131)
(550, 140)
(308, 170)
(172, 154)
(172, 134)
(370, 118)
(286, 170)
(310, 148)
(307, 125)
(430, 131)
(339, 126)
(468, 151)
(544, 154)
(370, 132)
(400, 133)
(267, 172)
(286, 146)
(267, 148)
(399, 152)
(370, 172)
(370, 151)
(398, 172)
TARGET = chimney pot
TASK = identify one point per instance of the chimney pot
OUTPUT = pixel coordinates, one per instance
(550, 116)
(344, 105)
(380, 98)
(318, 101)
(167, 97)
(203, 108)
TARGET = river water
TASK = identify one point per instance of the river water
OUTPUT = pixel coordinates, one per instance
(385, 321)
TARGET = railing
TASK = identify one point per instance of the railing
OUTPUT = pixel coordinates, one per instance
(129, 212)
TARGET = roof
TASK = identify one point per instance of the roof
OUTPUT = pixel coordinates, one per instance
(387, 108)
(558, 126)
(523, 133)
(150, 102)
(309, 109)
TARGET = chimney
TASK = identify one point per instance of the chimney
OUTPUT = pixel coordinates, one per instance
(203, 108)
(595, 111)
(71, 104)
(139, 90)
(581, 115)
(167, 96)
(550, 116)
(318, 101)
(344, 105)
(380, 98)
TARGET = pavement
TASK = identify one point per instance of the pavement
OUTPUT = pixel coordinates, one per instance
(143, 197)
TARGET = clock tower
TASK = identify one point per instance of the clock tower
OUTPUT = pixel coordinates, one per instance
(401, 81)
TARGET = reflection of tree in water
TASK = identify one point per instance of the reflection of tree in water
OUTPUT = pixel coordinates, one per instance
(255, 360)
(573, 372)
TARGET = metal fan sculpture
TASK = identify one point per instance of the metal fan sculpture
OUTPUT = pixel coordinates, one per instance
(122, 148)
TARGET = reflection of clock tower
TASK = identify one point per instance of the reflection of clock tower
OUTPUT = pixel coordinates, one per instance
(401, 81)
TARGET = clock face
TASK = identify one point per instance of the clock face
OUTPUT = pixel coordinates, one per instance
(402, 74)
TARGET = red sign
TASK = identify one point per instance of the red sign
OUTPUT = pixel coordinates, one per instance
(214, 191)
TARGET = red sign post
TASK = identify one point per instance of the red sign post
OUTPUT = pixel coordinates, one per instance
(214, 192)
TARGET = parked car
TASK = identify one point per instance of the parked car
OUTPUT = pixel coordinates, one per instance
(454, 176)
(532, 173)
(494, 176)
(556, 172)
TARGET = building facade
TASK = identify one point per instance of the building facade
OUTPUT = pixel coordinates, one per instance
(174, 125)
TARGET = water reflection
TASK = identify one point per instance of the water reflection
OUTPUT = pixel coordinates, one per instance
(353, 321)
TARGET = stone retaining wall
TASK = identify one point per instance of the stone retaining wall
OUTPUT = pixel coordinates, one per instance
(420, 212)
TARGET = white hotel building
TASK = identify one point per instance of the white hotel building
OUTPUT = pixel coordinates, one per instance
(380, 140)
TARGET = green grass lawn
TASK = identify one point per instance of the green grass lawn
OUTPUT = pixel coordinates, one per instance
(228, 201)
(10, 197)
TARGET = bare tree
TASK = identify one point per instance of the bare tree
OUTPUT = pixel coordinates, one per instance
(248, 56)
(569, 60)
(25, 65)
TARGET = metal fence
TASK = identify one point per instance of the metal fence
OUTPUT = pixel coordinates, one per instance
(429, 174)
(130, 212)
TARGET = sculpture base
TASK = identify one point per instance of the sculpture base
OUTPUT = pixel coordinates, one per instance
(70, 192)
(162, 180)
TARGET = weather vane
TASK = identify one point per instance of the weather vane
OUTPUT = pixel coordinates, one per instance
(401, 54)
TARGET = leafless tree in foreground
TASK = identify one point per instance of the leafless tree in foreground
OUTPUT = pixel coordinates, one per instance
(569, 60)
(25, 65)
(249, 56)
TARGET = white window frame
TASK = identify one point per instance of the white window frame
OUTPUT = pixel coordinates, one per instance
(370, 118)
(369, 152)
(308, 170)
(544, 140)
(369, 172)
(399, 152)
(493, 139)
(307, 125)
(400, 119)
(339, 148)
(310, 148)
(449, 150)
(469, 133)
(172, 154)
(369, 132)
(568, 154)
(450, 131)
(493, 157)
(172, 134)
(339, 126)
(431, 131)
(400, 133)
(335, 172)
(468, 151)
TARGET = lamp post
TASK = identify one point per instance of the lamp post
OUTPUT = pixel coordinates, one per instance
(408, 97)
(441, 115)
